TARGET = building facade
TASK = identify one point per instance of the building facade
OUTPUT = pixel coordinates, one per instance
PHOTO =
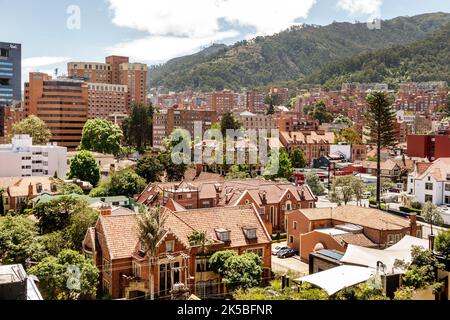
(23, 159)
(10, 78)
(428, 146)
(61, 103)
(107, 101)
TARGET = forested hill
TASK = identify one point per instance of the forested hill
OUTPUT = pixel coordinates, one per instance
(288, 55)
(423, 60)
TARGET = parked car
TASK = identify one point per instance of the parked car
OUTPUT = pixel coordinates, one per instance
(278, 249)
(286, 253)
(367, 195)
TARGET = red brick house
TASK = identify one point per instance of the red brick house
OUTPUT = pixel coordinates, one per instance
(114, 246)
(310, 230)
(272, 199)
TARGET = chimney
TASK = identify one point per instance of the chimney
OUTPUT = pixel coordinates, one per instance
(30, 190)
(105, 210)
(413, 223)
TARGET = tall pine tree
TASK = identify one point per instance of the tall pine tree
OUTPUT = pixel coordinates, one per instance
(380, 122)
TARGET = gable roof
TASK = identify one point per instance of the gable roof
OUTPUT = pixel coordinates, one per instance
(18, 186)
(439, 170)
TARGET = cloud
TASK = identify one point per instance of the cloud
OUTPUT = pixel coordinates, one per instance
(177, 27)
(366, 7)
(35, 62)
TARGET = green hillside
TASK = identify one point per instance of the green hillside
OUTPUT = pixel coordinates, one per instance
(288, 55)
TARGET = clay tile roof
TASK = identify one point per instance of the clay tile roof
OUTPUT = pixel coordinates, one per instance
(18, 186)
(366, 217)
(439, 169)
(423, 166)
(174, 206)
(357, 239)
(233, 219)
(121, 234)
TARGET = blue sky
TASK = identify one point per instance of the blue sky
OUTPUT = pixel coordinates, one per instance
(153, 31)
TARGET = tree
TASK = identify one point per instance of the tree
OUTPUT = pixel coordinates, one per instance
(125, 183)
(138, 127)
(84, 167)
(349, 135)
(243, 271)
(79, 222)
(442, 243)
(421, 271)
(150, 227)
(320, 113)
(150, 169)
(298, 158)
(380, 121)
(432, 214)
(19, 241)
(69, 188)
(340, 119)
(238, 171)
(35, 128)
(342, 190)
(218, 259)
(102, 136)
(314, 183)
(55, 214)
(178, 138)
(228, 122)
(68, 276)
(279, 166)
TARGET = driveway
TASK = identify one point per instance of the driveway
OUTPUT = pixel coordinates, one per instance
(289, 265)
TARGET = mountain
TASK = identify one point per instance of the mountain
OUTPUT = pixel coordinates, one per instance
(288, 55)
(424, 60)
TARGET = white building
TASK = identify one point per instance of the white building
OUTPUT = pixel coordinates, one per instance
(23, 159)
(431, 182)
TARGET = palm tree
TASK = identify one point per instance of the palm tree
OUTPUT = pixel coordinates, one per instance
(150, 227)
(198, 238)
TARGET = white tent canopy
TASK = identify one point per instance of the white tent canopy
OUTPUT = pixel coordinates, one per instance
(335, 279)
(362, 256)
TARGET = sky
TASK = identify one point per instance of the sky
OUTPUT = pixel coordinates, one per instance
(53, 32)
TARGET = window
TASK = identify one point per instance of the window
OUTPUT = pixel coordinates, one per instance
(291, 239)
(419, 234)
(428, 186)
(250, 233)
(202, 265)
(106, 266)
(295, 225)
(180, 197)
(223, 235)
(447, 187)
(447, 200)
(106, 287)
(189, 195)
(170, 246)
(136, 269)
(428, 198)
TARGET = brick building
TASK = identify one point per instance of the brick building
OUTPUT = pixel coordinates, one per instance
(107, 101)
(255, 102)
(61, 103)
(314, 144)
(428, 146)
(223, 102)
(114, 246)
(165, 121)
(311, 230)
(272, 199)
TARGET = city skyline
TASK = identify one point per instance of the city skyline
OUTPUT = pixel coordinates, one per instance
(110, 27)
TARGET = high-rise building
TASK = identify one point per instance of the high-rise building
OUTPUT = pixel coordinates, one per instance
(116, 70)
(223, 102)
(170, 119)
(61, 103)
(255, 102)
(105, 100)
(10, 78)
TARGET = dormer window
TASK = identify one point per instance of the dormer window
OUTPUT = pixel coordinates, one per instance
(223, 235)
(250, 233)
(53, 187)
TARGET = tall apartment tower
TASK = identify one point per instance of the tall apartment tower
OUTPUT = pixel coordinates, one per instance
(61, 103)
(116, 70)
(10, 78)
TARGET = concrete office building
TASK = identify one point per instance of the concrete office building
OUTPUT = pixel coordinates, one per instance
(23, 159)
